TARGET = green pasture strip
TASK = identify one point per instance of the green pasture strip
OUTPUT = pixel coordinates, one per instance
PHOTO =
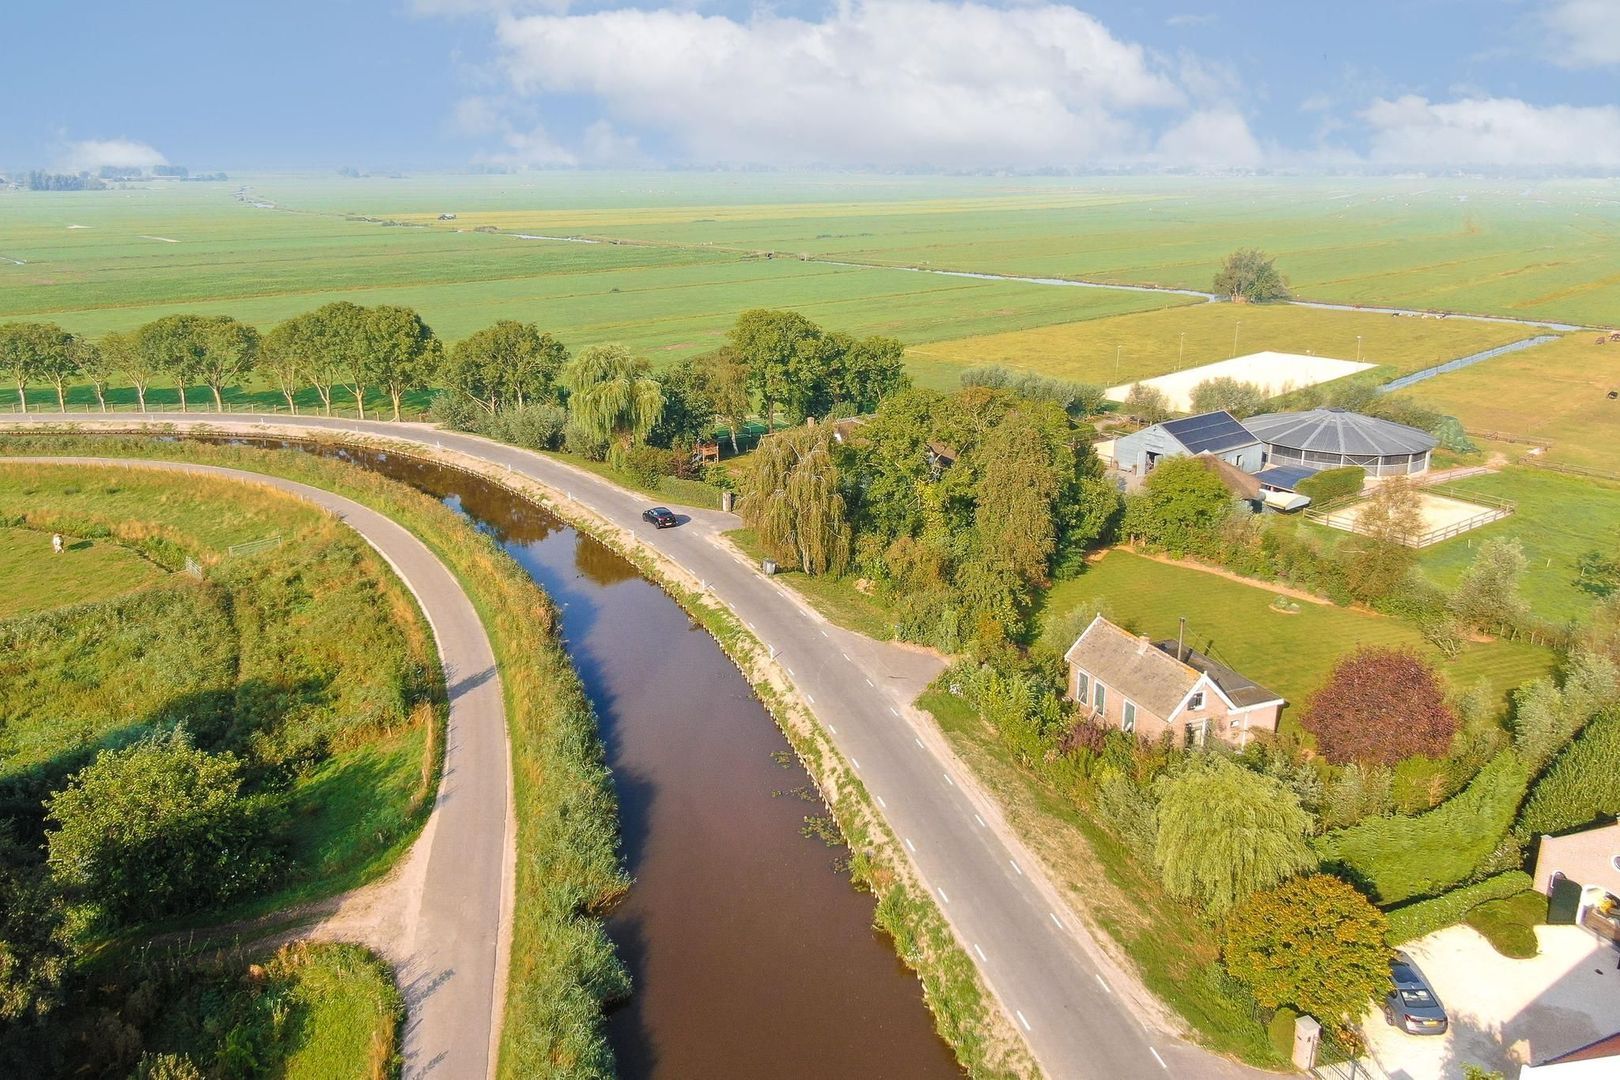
(86, 571)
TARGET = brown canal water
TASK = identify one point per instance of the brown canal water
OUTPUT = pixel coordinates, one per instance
(751, 955)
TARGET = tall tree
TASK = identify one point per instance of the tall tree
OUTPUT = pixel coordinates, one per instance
(509, 363)
(1179, 507)
(792, 499)
(336, 351)
(124, 352)
(1488, 597)
(1314, 943)
(32, 350)
(174, 345)
(60, 364)
(1378, 706)
(1241, 399)
(401, 349)
(726, 377)
(1147, 403)
(688, 414)
(98, 367)
(612, 395)
(1226, 832)
(776, 346)
(1381, 554)
(226, 352)
(283, 356)
(1250, 276)
(871, 369)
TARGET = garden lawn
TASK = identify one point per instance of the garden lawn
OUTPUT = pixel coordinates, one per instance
(1559, 518)
(1233, 622)
(87, 570)
(1150, 343)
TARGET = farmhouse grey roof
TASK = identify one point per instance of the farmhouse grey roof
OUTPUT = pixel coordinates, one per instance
(1242, 691)
(1130, 666)
(1338, 431)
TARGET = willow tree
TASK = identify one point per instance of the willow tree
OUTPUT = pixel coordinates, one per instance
(612, 396)
(793, 502)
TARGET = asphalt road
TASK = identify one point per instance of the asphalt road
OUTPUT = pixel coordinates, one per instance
(1048, 972)
(451, 963)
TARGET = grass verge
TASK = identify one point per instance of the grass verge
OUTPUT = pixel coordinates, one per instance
(835, 597)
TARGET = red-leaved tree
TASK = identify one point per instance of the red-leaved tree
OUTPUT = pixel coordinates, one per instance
(1378, 706)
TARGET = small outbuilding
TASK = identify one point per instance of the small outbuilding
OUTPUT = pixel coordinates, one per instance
(1334, 438)
(1218, 434)
(1580, 876)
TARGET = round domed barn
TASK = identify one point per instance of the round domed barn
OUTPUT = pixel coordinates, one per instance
(1333, 438)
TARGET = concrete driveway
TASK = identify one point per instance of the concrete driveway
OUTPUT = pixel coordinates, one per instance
(1504, 1012)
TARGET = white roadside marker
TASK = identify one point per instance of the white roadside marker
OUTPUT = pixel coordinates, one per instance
(1159, 1059)
(1021, 1020)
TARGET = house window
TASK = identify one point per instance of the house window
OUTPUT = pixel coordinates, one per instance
(1197, 732)
(1102, 698)
(1128, 718)
(1196, 701)
(1082, 687)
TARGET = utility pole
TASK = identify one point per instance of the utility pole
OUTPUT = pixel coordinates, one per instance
(1181, 352)
(1235, 330)
(1117, 350)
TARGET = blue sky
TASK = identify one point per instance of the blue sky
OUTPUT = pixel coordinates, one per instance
(414, 84)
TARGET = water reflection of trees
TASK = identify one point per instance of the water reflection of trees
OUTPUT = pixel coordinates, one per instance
(601, 564)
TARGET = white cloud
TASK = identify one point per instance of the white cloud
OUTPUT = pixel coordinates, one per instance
(89, 155)
(882, 82)
(1211, 138)
(1586, 33)
(532, 147)
(1203, 19)
(1494, 132)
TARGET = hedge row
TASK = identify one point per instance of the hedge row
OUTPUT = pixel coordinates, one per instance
(1401, 857)
(1330, 484)
(1583, 783)
(1426, 916)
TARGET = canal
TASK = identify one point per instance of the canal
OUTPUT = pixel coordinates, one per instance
(750, 953)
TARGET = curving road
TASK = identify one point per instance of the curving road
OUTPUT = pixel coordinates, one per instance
(450, 954)
(1081, 1014)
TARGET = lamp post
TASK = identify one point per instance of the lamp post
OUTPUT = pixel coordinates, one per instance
(1235, 330)
(1358, 348)
(1117, 350)
(1181, 351)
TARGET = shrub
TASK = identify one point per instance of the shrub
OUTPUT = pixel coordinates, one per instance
(1402, 857)
(1179, 508)
(1233, 395)
(647, 465)
(1380, 705)
(1330, 484)
(1509, 924)
(1281, 1030)
(1076, 399)
(157, 829)
(457, 411)
(1147, 403)
(1583, 783)
(1545, 717)
(1313, 943)
(1412, 921)
(535, 427)
(1226, 832)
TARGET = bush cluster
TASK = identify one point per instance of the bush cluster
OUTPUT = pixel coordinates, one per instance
(1411, 921)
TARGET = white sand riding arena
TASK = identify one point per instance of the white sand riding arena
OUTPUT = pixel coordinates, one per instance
(1443, 517)
(1274, 372)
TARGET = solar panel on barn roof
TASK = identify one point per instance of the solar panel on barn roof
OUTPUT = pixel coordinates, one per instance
(1212, 432)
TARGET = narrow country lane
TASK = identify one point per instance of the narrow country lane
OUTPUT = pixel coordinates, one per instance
(451, 957)
(1082, 1016)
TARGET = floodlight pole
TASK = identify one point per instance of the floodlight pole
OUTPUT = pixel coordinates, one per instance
(1117, 350)
(1358, 348)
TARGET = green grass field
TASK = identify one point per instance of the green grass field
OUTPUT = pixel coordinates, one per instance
(1170, 339)
(1291, 654)
(1559, 518)
(90, 570)
(1556, 393)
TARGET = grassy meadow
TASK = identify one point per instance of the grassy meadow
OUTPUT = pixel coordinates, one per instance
(1170, 339)
(1556, 392)
(89, 571)
(1290, 653)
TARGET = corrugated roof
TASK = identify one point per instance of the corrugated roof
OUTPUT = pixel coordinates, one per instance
(1210, 432)
(1338, 431)
(1285, 477)
(1239, 689)
(1130, 666)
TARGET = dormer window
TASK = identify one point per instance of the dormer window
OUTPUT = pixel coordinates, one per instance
(1196, 701)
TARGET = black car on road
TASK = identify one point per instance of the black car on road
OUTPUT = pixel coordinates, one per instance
(661, 516)
(1412, 1004)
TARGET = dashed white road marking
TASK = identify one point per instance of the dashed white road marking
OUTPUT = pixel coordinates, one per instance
(916, 740)
(943, 897)
(980, 820)
(871, 684)
(881, 803)
(855, 761)
(948, 779)
(1103, 983)
(845, 655)
(832, 729)
(1057, 922)
(1021, 1020)
(1159, 1059)
(1016, 867)
(910, 845)
(790, 672)
(810, 699)
(892, 711)
(980, 952)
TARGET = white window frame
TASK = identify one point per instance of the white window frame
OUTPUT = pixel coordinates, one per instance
(1082, 688)
(1100, 696)
(1202, 738)
(1196, 701)
(1127, 716)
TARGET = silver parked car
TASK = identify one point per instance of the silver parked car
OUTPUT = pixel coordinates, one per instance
(1412, 1004)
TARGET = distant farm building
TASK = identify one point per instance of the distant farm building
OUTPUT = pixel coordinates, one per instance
(1332, 438)
(1218, 434)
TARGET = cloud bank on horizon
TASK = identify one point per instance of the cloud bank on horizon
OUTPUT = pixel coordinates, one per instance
(1531, 85)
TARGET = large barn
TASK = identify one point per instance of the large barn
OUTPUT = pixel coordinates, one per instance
(1332, 438)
